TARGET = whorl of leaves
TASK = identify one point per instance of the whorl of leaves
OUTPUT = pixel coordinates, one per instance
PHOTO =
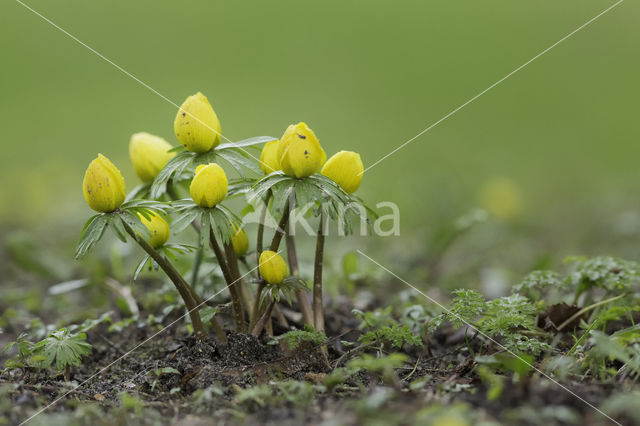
(287, 289)
(218, 219)
(126, 215)
(63, 347)
(185, 162)
(312, 195)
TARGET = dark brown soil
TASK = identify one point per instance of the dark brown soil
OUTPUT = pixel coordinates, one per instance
(167, 372)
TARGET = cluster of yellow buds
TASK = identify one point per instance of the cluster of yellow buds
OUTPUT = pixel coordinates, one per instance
(197, 128)
(104, 191)
(299, 154)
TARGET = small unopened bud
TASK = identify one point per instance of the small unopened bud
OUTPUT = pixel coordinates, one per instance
(240, 241)
(269, 160)
(149, 154)
(345, 168)
(158, 228)
(209, 185)
(272, 267)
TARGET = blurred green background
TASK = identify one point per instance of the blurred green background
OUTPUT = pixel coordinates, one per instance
(366, 76)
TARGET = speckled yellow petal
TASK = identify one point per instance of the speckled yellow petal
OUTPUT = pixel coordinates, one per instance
(196, 125)
(300, 152)
(103, 186)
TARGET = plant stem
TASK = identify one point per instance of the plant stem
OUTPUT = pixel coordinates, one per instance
(256, 306)
(236, 287)
(303, 300)
(181, 285)
(217, 328)
(246, 295)
(585, 334)
(196, 266)
(587, 309)
(284, 220)
(355, 350)
(213, 322)
(263, 217)
(263, 319)
(318, 314)
(238, 315)
(275, 244)
(280, 316)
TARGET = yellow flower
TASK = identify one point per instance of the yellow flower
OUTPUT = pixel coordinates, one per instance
(196, 125)
(149, 154)
(158, 227)
(103, 186)
(240, 241)
(269, 160)
(300, 152)
(209, 185)
(345, 168)
(500, 197)
(272, 267)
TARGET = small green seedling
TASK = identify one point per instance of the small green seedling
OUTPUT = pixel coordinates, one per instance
(65, 348)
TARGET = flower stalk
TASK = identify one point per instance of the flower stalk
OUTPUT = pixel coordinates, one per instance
(175, 277)
(318, 314)
(275, 245)
(266, 315)
(236, 303)
(263, 217)
(301, 295)
(235, 287)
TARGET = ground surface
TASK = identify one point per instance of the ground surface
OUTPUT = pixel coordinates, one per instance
(175, 379)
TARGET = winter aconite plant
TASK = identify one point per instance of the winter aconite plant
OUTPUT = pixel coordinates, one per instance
(188, 186)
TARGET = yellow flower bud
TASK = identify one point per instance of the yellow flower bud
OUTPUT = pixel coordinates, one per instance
(158, 227)
(345, 168)
(196, 125)
(269, 160)
(149, 154)
(300, 152)
(209, 185)
(272, 267)
(240, 241)
(103, 186)
(500, 196)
